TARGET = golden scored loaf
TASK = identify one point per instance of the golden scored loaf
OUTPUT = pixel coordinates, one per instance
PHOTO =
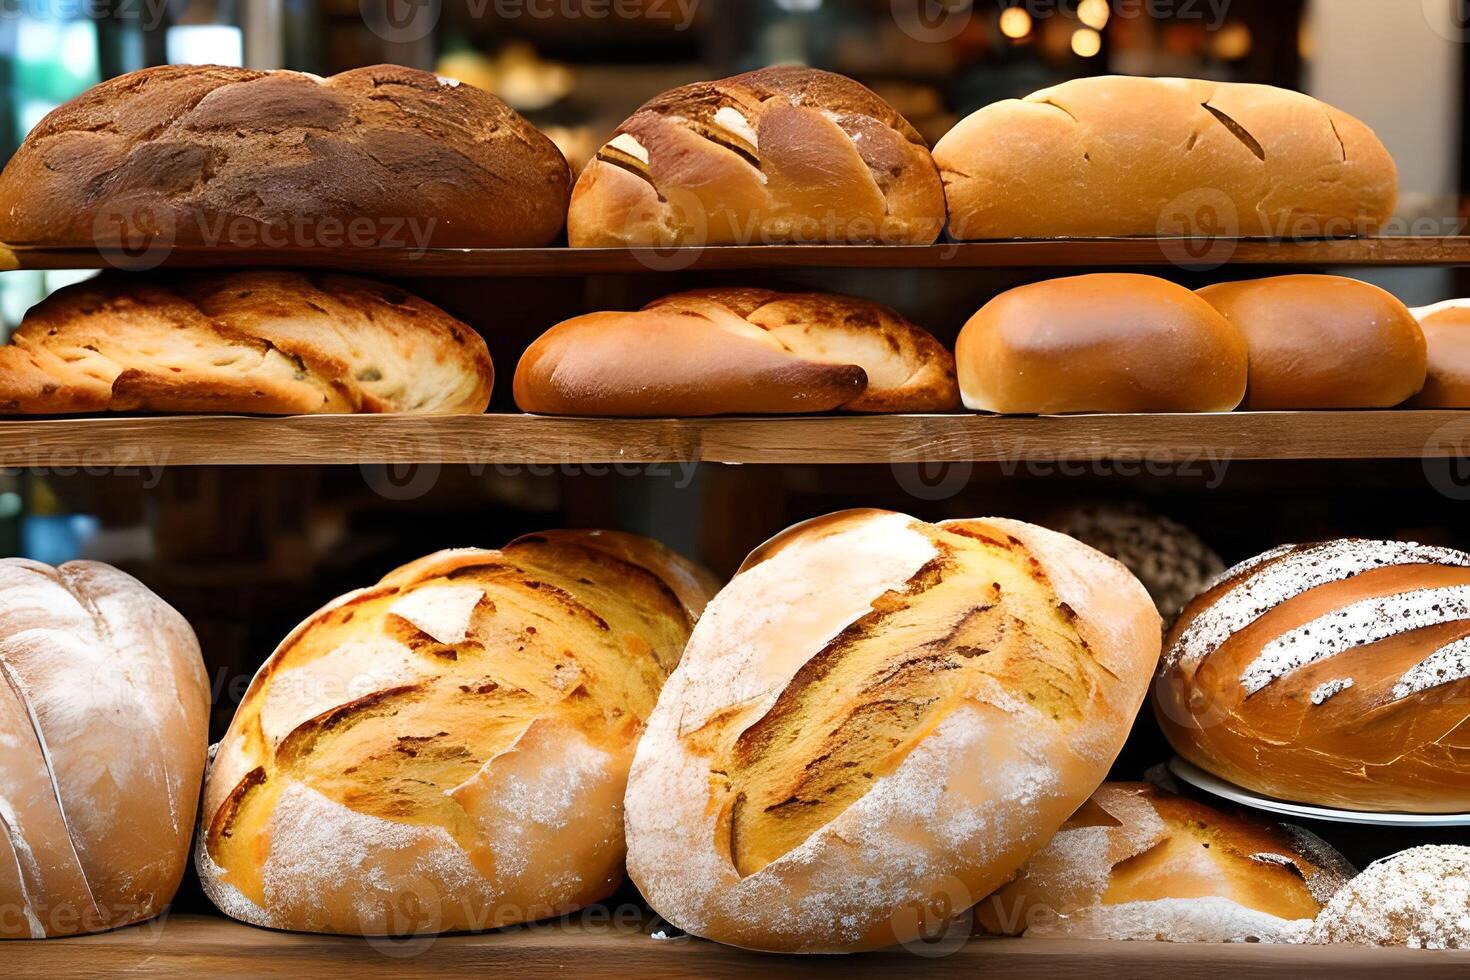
(876, 723)
(104, 713)
(731, 351)
(195, 155)
(1114, 342)
(1447, 335)
(779, 155)
(447, 750)
(1137, 862)
(272, 343)
(1117, 155)
(1323, 342)
(1334, 674)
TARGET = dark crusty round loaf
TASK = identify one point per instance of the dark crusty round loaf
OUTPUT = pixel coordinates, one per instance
(199, 155)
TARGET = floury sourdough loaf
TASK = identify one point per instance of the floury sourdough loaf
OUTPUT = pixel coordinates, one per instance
(447, 750)
(877, 722)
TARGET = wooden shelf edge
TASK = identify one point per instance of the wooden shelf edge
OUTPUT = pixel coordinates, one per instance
(513, 439)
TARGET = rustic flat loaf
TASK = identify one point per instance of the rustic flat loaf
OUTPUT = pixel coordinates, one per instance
(200, 155)
(265, 342)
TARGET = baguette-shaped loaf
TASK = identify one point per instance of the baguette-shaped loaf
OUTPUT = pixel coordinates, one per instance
(876, 723)
(1116, 155)
(779, 155)
(447, 750)
(1446, 329)
(104, 714)
(202, 155)
(737, 351)
(266, 342)
(1334, 674)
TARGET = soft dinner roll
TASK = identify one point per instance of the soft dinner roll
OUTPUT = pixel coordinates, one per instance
(447, 750)
(1418, 898)
(197, 155)
(1335, 674)
(1323, 342)
(1117, 155)
(780, 155)
(737, 351)
(876, 723)
(104, 715)
(1136, 862)
(1100, 343)
(1447, 333)
(272, 343)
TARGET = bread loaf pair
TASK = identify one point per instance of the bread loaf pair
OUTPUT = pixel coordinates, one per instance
(271, 343)
(104, 708)
(1334, 674)
(737, 351)
(779, 155)
(1115, 156)
(876, 723)
(447, 750)
(196, 155)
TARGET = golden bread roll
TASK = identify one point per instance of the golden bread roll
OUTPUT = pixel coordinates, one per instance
(1117, 155)
(1137, 862)
(737, 351)
(1323, 342)
(1418, 898)
(779, 155)
(876, 723)
(1115, 342)
(104, 725)
(266, 342)
(1333, 674)
(1446, 329)
(447, 750)
(200, 155)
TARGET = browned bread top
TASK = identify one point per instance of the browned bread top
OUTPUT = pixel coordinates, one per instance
(775, 155)
(267, 342)
(206, 154)
(1446, 329)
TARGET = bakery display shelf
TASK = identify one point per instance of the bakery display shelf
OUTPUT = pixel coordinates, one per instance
(194, 946)
(882, 439)
(562, 261)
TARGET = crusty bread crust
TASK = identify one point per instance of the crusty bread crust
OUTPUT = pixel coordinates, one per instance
(1118, 155)
(266, 342)
(201, 155)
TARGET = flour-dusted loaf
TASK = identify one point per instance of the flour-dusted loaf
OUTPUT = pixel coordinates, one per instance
(1113, 342)
(1116, 155)
(1139, 863)
(447, 750)
(733, 351)
(779, 155)
(196, 155)
(877, 722)
(1418, 898)
(1323, 342)
(104, 713)
(1446, 329)
(1336, 674)
(272, 343)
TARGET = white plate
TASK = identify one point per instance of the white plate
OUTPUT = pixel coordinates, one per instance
(1200, 779)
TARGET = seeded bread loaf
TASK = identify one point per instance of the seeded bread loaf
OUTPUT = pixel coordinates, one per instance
(1116, 155)
(779, 155)
(1334, 674)
(195, 155)
(104, 713)
(737, 351)
(876, 723)
(447, 750)
(272, 343)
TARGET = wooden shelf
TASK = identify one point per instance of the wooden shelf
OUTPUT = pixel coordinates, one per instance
(561, 261)
(193, 946)
(884, 439)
